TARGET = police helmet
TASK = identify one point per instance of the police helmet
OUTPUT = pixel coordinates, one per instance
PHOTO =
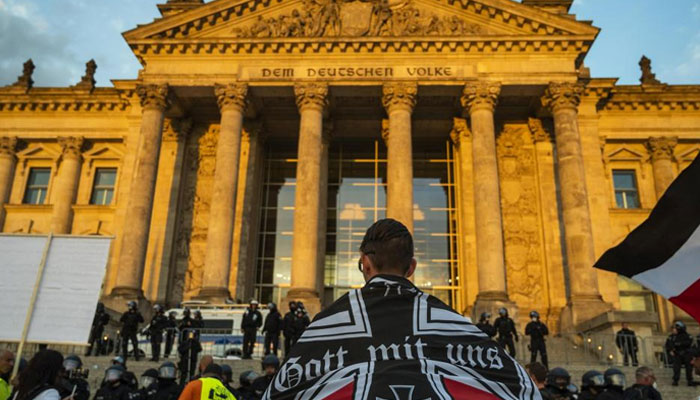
(559, 378)
(484, 316)
(149, 377)
(157, 308)
(534, 314)
(300, 305)
(246, 378)
(271, 306)
(254, 302)
(593, 379)
(131, 305)
(271, 360)
(72, 362)
(186, 312)
(614, 378)
(679, 325)
(292, 305)
(172, 314)
(226, 372)
(100, 307)
(197, 314)
(502, 311)
(167, 370)
(118, 360)
(114, 373)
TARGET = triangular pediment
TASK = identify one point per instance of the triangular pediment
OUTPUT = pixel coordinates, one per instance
(241, 20)
(625, 154)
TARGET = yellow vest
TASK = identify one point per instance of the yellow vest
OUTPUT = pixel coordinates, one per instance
(4, 390)
(213, 389)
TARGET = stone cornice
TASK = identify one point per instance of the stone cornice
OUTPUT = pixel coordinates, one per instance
(399, 95)
(64, 99)
(478, 95)
(233, 95)
(657, 98)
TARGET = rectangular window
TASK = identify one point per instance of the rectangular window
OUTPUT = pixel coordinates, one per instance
(633, 296)
(37, 186)
(103, 188)
(626, 194)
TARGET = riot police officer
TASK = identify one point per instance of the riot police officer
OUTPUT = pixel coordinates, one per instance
(288, 326)
(188, 349)
(149, 385)
(114, 387)
(186, 323)
(73, 380)
(679, 345)
(270, 366)
(301, 321)
(557, 385)
(130, 325)
(614, 385)
(170, 332)
(485, 325)
(128, 377)
(168, 389)
(155, 330)
(198, 323)
(537, 331)
(505, 327)
(271, 329)
(99, 321)
(592, 384)
(252, 320)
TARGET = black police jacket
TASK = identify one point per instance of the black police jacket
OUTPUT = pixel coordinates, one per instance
(109, 392)
(99, 321)
(168, 389)
(288, 324)
(251, 319)
(273, 323)
(679, 343)
(130, 322)
(586, 395)
(625, 338)
(610, 394)
(505, 327)
(641, 392)
(260, 385)
(158, 324)
(536, 330)
(487, 328)
(170, 326)
(82, 388)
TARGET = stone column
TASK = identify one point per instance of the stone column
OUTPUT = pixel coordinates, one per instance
(661, 151)
(584, 301)
(479, 99)
(399, 98)
(311, 99)
(232, 100)
(66, 184)
(7, 172)
(154, 101)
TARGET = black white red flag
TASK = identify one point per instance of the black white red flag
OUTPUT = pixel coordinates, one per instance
(663, 253)
(391, 341)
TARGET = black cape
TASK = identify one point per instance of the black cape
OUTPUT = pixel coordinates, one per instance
(391, 341)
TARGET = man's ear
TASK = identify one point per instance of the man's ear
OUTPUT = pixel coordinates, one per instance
(411, 268)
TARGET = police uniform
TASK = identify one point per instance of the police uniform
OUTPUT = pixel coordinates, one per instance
(130, 323)
(680, 344)
(171, 330)
(155, 330)
(505, 327)
(271, 329)
(252, 320)
(537, 332)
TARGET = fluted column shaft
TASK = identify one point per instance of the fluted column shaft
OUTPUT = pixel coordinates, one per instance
(311, 99)
(7, 168)
(563, 99)
(66, 184)
(661, 151)
(231, 99)
(399, 100)
(140, 203)
(480, 100)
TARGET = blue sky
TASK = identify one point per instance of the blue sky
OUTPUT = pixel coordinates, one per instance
(62, 35)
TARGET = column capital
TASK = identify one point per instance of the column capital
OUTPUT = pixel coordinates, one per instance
(71, 146)
(562, 95)
(311, 95)
(154, 96)
(8, 145)
(480, 94)
(460, 131)
(399, 94)
(661, 147)
(231, 96)
(539, 134)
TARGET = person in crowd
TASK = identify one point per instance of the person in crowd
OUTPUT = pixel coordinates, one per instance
(128, 377)
(73, 380)
(114, 387)
(592, 384)
(168, 389)
(557, 385)
(537, 331)
(170, 333)
(270, 366)
(301, 321)
(397, 335)
(186, 324)
(189, 351)
(210, 383)
(203, 364)
(485, 325)
(288, 327)
(155, 331)
(626, 342)
(245, 388)
(271, 329)
(614, 385)
(130, 321)
(95, 339)
(644, 387)
(679, 346)
(538, 374)
(505, 327)
(7, 362)
(227, 378)
(252, 321)
(198, 323)
(41, 377)
(149, 385)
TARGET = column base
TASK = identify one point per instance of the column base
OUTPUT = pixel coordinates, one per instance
(581, 309)
(310, 298)
(490, 302)
(214, 295)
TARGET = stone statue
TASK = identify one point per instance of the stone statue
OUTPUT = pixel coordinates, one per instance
(648, 78)
(25, 80)
(88, 80)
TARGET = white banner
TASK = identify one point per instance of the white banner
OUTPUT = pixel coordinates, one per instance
(69, 289)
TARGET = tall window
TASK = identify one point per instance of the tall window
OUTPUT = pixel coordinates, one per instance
(103, 187)
(633, 296)
(626, 194)
(37, 186)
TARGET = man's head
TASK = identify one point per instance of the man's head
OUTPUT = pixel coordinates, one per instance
(538, 373)
(387, 248)
(270, 364)
(292, 306)
(212, 371)
(7, 361)
(624, 325)
(204, 363)
(645, 376)
(254, 304)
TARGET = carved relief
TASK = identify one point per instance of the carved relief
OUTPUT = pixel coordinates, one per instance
(525, 263)
(357, 18)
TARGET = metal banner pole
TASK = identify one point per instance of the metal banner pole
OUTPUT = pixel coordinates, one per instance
(32, 302)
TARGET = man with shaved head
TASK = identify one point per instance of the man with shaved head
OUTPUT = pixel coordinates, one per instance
(7, 361)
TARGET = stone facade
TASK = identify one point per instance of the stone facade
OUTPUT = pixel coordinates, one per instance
(535, 143)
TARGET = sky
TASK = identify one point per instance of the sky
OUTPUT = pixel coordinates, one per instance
(62, 35)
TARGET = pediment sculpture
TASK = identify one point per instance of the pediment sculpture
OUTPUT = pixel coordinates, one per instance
(335, 18)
